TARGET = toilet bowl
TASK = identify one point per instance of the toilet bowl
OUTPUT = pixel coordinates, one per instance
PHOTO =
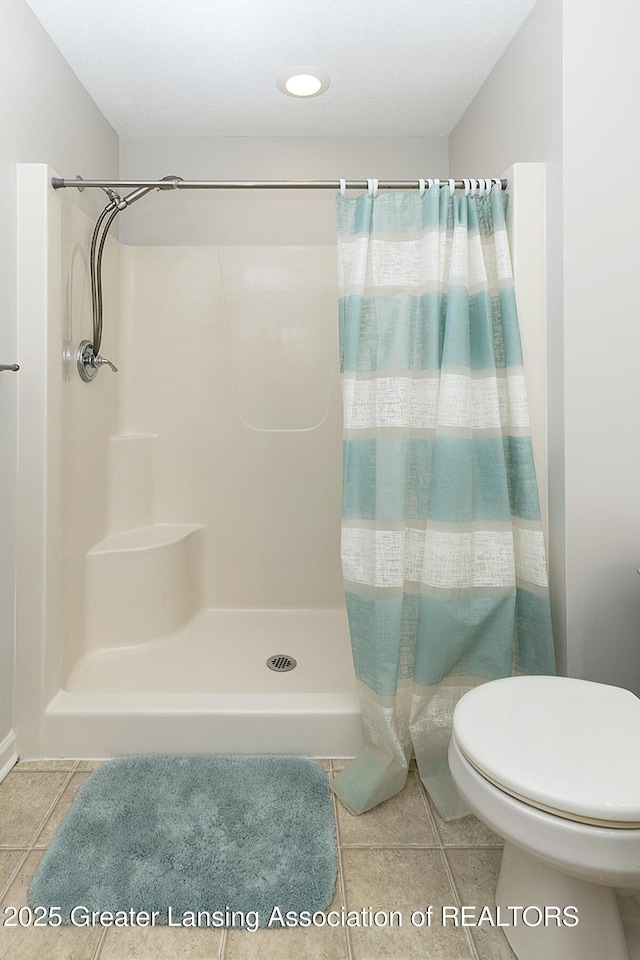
(552, 765)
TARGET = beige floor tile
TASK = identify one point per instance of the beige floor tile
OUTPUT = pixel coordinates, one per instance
(20, 885)
(161, 943)
(9, 860)
(61, 809)
(407, 881)
(465, 832)
(25, 800)
(402, 820)
(294, 943)
(475, 874)
(325, 764)
(90, 764)
(33, 765)
(41, 943)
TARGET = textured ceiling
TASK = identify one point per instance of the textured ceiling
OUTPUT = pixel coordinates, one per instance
(170, 68)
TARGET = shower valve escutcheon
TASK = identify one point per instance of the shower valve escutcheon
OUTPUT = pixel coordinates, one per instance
(90, 362)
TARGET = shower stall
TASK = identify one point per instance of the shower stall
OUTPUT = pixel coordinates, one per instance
(179, 520)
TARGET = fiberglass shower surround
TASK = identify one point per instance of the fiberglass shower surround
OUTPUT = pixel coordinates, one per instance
(203, 534)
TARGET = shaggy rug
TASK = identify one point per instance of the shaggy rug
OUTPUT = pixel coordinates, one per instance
(193, 840)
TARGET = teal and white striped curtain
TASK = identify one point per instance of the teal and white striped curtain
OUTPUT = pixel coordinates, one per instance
(442, 546)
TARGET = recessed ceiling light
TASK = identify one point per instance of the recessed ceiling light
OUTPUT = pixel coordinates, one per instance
(303, 82)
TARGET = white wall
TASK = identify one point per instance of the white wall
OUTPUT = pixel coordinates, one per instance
(261, 216)
(46, 116)
(517, 117)
(602, 330)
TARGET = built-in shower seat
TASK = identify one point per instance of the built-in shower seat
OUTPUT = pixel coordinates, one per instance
(144, 579)
(142, 584)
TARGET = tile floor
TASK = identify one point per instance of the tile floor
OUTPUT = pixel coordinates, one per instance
(398, 857)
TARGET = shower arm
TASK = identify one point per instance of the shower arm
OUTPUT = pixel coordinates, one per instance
(88, 356)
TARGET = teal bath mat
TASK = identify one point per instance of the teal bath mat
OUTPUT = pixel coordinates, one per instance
(197, 841)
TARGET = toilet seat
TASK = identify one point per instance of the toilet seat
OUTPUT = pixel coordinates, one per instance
(570, 747)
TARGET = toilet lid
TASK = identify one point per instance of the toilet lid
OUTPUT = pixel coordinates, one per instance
(562, 744)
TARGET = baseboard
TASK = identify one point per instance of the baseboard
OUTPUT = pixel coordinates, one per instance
(8, 755)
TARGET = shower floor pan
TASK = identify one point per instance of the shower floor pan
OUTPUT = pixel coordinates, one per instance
(207, 689)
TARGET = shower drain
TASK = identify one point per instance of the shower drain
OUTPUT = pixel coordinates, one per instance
(281, 662)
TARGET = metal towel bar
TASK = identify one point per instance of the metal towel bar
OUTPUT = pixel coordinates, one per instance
(9, 366)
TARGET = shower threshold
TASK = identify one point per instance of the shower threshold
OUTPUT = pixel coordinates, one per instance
(207, 689)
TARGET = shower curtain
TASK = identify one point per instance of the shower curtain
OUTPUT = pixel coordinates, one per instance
(442, 546)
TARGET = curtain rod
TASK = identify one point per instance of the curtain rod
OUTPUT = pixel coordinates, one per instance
(177, 183)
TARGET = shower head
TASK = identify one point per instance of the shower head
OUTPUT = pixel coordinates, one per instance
(172, 182)
(136, 195)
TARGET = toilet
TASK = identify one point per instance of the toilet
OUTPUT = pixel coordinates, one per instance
(552, 765)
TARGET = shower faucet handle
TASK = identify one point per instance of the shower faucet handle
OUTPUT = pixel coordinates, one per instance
(100, 361)
(89, 363)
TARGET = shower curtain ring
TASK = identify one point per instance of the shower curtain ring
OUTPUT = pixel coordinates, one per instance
(422, 185)
(372, 186)
(343, 187)
(452, 187)
(467, 187)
